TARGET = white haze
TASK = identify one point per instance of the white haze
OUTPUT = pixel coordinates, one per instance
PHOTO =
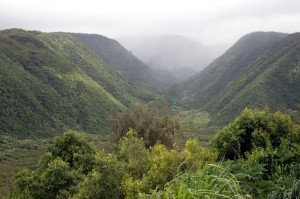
(211, 22)
(175, 57)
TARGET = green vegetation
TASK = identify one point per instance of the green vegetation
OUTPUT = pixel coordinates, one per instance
(258, 128)
(17, 154)
(154, 124)
(266, 150)
(270, 81)
(121, 60)
(260, 70)
(50, 83)
(213, 80)
(266, 165)
(73, 168)
(59, 169)
(213, 181)
(194, 124)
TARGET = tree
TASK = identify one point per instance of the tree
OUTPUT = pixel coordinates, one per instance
(254, 128)
(153, 123)
(60, 169)
(73, 149)
(105, 180)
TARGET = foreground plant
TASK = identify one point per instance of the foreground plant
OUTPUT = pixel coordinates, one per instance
(213, 181)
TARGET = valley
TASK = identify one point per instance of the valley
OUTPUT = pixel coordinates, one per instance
(175, 58)
(52, 83)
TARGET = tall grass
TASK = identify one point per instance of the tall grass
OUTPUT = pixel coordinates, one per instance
(287, 182)
(213, 181)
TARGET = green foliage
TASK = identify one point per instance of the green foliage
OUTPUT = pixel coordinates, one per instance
(213, 80)
(56, 180)
(154, 124)
(50, 83)
(193, 124)
(260, 70)
(267, 152)
(197, 156)
(162, 165)
(16, 154)
(105, 180)
(286, 181)
(132, 151)
(121, 60)
(163, 160)
(254, 128)
(146, 168)
(213, 181)
(59, 171)
(269, 168)
(265, 173)
(73, 149)
(271, 81)
(250, 175)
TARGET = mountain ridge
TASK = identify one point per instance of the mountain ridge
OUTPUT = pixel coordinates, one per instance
(270, 81)
(237, 79)
(50, 83)
(121, 60)
(220, 71)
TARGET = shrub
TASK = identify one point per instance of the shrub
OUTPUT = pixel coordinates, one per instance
(213, 181)
(154, 124)
(254, 128)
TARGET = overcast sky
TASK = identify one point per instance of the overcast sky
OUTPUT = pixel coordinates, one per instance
(208, 21)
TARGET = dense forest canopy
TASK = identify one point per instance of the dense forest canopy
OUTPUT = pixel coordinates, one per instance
(257, 155)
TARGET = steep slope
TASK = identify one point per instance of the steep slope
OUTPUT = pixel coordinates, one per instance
(175, 57)
(271, 81)
(213, 80)
(121, 60)
(51, 82)
(260, 70)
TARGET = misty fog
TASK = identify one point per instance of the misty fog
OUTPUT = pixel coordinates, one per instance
(175, 57)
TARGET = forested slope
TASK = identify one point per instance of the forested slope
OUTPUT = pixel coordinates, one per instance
(260, 71)
(213, 80)
(121, 60)
(272, 81)
(50, 82)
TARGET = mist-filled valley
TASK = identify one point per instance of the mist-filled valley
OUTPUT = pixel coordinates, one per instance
(175, 58)
(87, 116)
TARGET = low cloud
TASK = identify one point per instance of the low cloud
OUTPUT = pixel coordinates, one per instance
(210, 22)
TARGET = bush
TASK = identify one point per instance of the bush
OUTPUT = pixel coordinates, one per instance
(254, 128)
(60, 169)
(196, 156)
(154, 124)
(105, 180)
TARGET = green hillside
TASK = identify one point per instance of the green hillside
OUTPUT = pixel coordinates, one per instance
(121, 60)
(273, 81)
(50, 82)
(261, 70)
(213, 80)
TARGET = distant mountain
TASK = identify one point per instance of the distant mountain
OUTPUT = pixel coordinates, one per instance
(175, 57)
(121, 60)
(260, 70)
(50, 82)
